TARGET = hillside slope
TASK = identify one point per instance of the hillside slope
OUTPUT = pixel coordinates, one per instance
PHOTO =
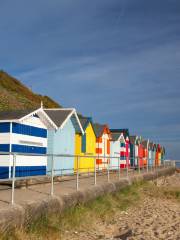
(15, 95)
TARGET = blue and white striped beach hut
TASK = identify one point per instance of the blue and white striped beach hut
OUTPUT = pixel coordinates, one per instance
(25, 133)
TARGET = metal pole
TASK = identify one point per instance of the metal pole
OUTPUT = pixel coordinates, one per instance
(52, 176)
(174, 163)
(139, 169)
(134, 158)
(108, 171)
(119, 169)
(147, 166)
(127, 167)
(13, 179)
(126, 170)
(77, 175)
(147, 156)
(94, 171)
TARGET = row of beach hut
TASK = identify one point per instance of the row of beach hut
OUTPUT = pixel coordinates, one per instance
(39, 136)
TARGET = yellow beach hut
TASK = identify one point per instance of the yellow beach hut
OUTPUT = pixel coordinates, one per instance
(85, 146)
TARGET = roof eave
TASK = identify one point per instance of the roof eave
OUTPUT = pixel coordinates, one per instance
(44, 113)
(73, 111)
(10, 120)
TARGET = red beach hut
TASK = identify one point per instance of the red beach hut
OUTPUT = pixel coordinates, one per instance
(140, 153)
(124, 147)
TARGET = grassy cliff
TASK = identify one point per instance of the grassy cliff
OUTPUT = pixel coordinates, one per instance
(15, 95)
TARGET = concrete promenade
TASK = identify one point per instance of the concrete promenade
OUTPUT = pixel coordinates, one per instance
(64, 186)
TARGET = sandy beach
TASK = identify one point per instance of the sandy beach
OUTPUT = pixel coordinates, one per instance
(156, 216)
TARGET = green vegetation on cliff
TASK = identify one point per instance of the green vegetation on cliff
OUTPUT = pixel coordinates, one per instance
(15, 95)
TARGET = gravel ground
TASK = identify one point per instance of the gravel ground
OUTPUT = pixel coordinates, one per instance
(156, 217)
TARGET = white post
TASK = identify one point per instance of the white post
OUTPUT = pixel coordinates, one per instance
(127, 162)
(10, 148)
(147, 156)
(52, 176)
(119, 169)
(13, 179)
(94, 171)
(174, 163)
(108, 171)
(77, 174)
(139, 169)
(134, 157)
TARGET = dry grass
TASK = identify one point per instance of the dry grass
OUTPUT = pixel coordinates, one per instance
(168, 192)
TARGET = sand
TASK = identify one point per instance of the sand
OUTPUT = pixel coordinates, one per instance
(156, 216)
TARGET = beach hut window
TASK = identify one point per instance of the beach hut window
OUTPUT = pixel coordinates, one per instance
(84, 143)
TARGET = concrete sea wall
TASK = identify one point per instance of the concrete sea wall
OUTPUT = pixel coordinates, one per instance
(19, 215)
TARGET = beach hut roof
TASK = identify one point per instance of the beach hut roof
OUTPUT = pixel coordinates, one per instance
(14, 115)
(144, 143)
(155, 146)
(125, 131)
(85, 122)
(151, 145)
(60, 116)
(99, 129)
(163, 150)
(133, 139)
(20, 115)
(115, 136)
(140, 139)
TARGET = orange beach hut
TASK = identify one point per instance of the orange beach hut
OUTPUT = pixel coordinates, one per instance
(145, 144)
(140, 153)
(103, 137)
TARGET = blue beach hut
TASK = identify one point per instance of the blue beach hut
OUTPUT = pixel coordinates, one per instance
(150, 153)
(153, 155)
(133, 151)
(62, 139)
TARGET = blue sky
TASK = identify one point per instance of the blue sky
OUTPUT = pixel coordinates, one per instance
(115, 60)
